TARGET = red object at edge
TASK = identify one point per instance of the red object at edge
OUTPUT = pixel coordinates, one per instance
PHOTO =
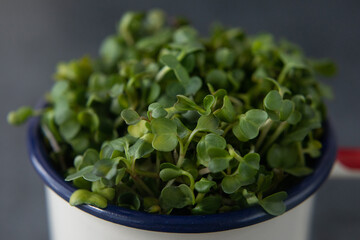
(349, 157)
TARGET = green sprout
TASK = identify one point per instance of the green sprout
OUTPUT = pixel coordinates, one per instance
(165, 121)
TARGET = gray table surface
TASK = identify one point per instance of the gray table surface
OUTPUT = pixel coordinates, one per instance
(35, 35)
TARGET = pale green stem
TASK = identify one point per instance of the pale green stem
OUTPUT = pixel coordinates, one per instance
(282, 75)
(54, 145)
(264, 131)
(191, 178)
(183, 149)
(162, 73)
(139, 182)
(233, 153)
(199, 197)
(166, 69)
(169, 183)
(301, 153)
(274, 136)
(204, 171)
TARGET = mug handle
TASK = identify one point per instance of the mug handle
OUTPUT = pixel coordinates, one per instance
(347, 164)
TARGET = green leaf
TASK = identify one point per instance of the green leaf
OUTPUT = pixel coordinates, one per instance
(81, 183)
(188, 47)
(313, 148)
(227, 112)
(91, 177)
(204, 185)
(249, 124)
(165, 134)
(182, 130)
(63, 112)
(248, 168)
(19, 116)
(100, 86)
(170, 61)
(130, 116)
(80, 143)
(236, 77)
(140, 149)
(139, 129)
(184, 104)
(83, 196)
(209, 205)
(111, 50)
(120, 175)
(176, 197)
(231, 183)
(89, 118)
(193, 46)
(80, 173)
(219, 159)
(128, 25)
(298, 134)
(180, 72)
(209, 101)
(274, 204)
(245, 175)
(90, 157)
(107, 151)
(76, 71)
(282, 89)
(208, 141)
(173, 89)
(273, 100)
(277, 108)
(217, 78)
(157, 110)
(168, 165)
(286, 110)
(153, 42)
(256, 116)
(166, 174)
(294, 118)
(155, 19)
(59, 90)
(324, 67)
(264, 181)
(193, 86)
(185, 34)
(224, 57)
(208, 123)
(99, 188)
(106, 168)
(69, 129)
(129, 200)
(299, 171)
(282, 156)
(154, 92)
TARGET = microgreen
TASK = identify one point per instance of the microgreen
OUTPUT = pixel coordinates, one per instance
(165, 121)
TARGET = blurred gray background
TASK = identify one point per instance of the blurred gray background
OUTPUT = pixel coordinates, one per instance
(35, 35)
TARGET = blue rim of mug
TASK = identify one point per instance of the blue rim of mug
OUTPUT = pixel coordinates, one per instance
(174, 223)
